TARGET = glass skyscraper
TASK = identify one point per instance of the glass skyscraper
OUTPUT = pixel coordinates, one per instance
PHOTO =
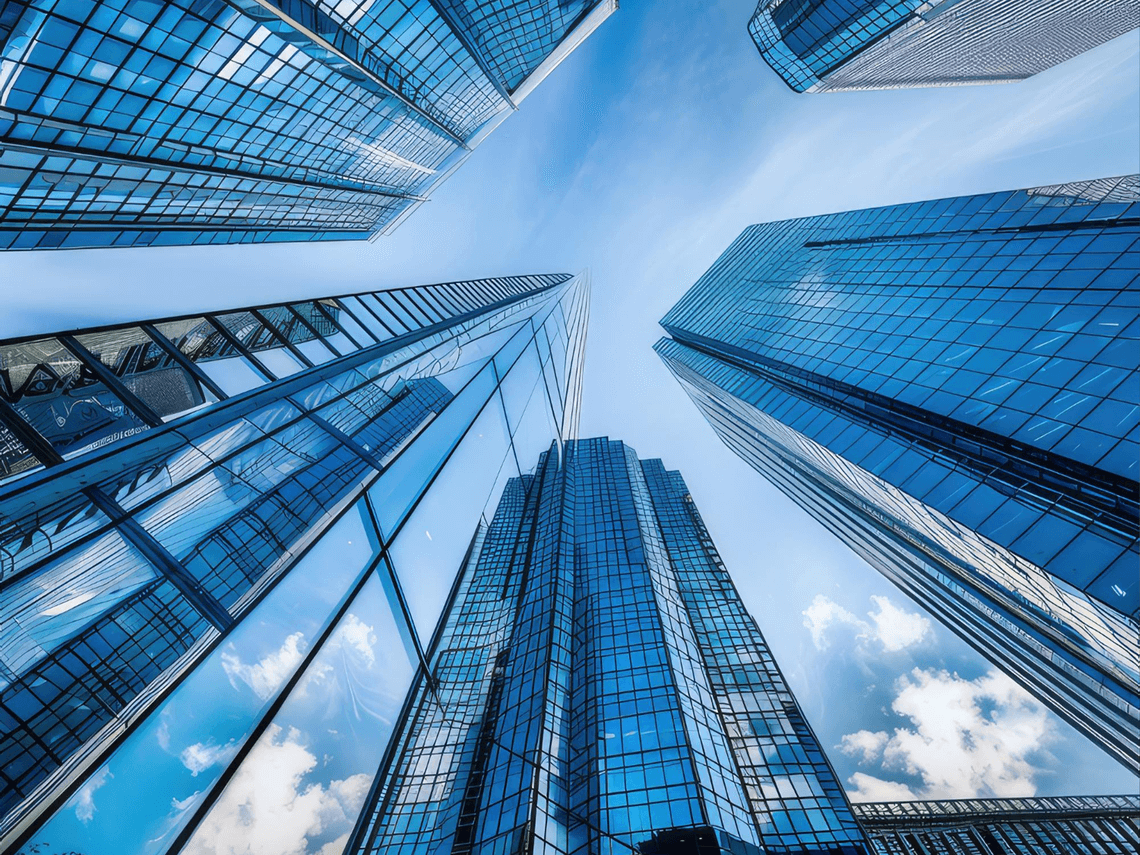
(235, 533)
(835, 45)
(951, 387)
(1083, 825)
(599, 687)
(157, 122)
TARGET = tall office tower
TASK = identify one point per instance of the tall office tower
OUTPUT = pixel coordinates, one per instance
(232, 535)
(1082, 825)
(157, 122)
(951, 388)
(836, 45)
(598, 687)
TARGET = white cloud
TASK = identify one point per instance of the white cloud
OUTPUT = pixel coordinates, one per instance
(201, 756)
(888, 625)
(267, 808)
(868, 788)
(822, 615)
(864, 743)
(84, 800)
(271, 671)
(968, 738)
(895, 628)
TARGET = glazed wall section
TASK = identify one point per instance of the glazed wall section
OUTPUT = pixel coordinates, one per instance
(316, 522)
(959, 373)
(157, 122)
(599, 687)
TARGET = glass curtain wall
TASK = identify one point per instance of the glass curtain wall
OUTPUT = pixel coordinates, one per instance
(950, 386)
(260, 578)
(599, 687)
(157, 122)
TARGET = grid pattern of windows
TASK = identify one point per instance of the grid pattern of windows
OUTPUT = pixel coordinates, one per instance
(964, 371)
(148, 122)
(792, 791)
(1106, 825)
(600, 688)
(113, 566)
(839, 45)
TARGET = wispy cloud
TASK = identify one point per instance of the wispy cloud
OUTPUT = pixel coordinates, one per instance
(269, 672)
(887, 626)
(83, 802)
(201, 756)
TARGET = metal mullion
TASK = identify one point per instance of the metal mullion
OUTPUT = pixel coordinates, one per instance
(419, 304)
(31, 438)
(444, 299)
(429, 299)
(405, 609)
(111, 381)
(468, 293)
(384, 307)
(241, 349)
(270, 712)
(376, 317)
(339, 326)
(394, 303)
(170, 567)
(187, 364)
(428, 296)
(347, 441)
(281, 337)
(333, 350)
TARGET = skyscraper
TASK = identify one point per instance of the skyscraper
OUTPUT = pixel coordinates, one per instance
(835, 45)
(156, 122)
(599, 687)
(211, 524)
(951, 388)
(1086, 825)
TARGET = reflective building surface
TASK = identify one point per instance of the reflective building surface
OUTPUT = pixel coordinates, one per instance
(226, 541)
(599, 687)
(157, 122)
(951, 387)
(1088, 825)
(835, 45)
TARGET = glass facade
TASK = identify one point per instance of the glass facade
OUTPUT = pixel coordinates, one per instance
(1082, 825)
(952, 387)
(599, 687)
(242, 545)
(157, 122)
(837, 45)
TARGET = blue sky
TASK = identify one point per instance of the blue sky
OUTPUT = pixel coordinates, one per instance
(641, 158)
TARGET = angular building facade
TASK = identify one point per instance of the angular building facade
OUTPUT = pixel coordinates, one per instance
(1083, 825)
(599, 687)
(158, 122)
(951, 388)
(837, 45)
(232, 534)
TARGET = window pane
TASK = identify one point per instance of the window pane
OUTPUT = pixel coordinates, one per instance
(186, 742)
(61, 399)
(147, 371)
(318, 757)
(430, 547)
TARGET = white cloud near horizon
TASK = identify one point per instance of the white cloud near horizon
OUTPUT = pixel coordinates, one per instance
(892, 627)
(965, 739)
(267, 807)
